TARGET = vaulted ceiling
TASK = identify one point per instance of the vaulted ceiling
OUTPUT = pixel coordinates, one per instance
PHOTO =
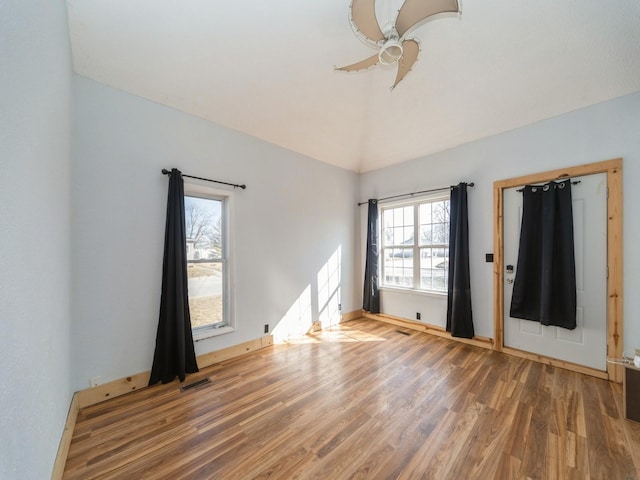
(267, 69)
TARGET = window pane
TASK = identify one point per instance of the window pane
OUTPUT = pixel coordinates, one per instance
(205, 260)
(434, 223)
(398, 228)
(434, 266)
(398, 267)
(408, 216)
(387, 219)
(426, 235)
(440, 233)
(407, 236)
(388, 236)
(441, 211)
(398, 236)
(425, 213)
(398, 217)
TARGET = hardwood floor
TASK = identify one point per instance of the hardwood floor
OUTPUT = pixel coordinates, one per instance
(364, 401)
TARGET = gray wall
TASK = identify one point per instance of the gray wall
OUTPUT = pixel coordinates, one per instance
(294, 214)
(35, 153)
(601, 132)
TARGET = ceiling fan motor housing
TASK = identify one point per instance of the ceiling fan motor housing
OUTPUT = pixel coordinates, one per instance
(391, 51)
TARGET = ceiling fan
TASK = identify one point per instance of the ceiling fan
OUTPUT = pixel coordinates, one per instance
(390, 40)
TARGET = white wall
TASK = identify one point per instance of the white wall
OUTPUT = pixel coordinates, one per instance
(601, 132)
(35, 316)
(294, 214)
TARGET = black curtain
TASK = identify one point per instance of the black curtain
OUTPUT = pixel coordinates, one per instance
(459, 316)
(544, 289)
(174, 354)
(371, 295)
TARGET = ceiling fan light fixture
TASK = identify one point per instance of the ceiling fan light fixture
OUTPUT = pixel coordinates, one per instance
(390, 52)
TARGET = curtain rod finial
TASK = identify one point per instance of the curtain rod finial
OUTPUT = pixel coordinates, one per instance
(165, 171)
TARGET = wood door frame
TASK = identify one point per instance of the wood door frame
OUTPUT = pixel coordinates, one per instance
(613, 169)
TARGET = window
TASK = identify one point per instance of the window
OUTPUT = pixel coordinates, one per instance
(206, 223)
(415, 245)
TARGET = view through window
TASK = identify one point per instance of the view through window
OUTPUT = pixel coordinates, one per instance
(417, 230)
(206, 266)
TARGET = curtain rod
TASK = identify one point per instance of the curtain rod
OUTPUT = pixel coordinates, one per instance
(574, 182)
(234, 185)
(416, 193)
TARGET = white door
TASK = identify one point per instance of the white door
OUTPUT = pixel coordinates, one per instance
(587, 344)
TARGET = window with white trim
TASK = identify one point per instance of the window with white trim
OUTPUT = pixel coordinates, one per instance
(208, 266)
(415, 244)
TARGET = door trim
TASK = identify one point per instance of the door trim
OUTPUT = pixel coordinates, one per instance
(613, 169)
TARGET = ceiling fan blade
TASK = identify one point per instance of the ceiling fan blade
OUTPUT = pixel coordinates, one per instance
(363, 16)
(366, 63)
(411, 48)
(413, 12)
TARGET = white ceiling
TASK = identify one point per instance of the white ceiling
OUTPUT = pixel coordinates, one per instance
(267, 69)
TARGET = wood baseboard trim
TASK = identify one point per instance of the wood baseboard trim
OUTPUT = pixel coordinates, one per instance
(65, 439)
(486, 343)
(115, 388)
(483, 342)
(352, 316)
(556, 363)
(91, 396)
(211, 358)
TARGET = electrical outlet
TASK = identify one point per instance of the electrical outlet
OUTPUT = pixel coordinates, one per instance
(417, 315)
(266, 328)
(95, 381)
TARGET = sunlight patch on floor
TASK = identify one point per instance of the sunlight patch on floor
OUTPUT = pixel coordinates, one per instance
(335, 334)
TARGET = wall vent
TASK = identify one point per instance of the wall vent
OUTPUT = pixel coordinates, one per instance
(196, 384)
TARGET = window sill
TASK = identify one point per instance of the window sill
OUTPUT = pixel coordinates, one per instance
(413, 291)
(211, 332)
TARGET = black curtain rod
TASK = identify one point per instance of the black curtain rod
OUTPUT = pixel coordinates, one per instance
(574, 182)
(416, 193)
(234, 185)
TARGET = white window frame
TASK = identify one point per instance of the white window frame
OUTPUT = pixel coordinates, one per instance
(415, 203)
(206, 191)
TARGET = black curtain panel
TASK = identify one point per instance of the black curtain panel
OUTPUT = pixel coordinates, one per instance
(544, 289)
(371, 295)
(459, 316)
(174, 354)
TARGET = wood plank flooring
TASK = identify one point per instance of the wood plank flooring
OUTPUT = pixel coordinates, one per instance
(364, 402)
